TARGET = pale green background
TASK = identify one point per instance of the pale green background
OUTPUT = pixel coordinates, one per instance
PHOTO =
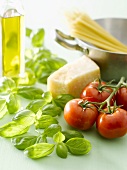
(105, 154)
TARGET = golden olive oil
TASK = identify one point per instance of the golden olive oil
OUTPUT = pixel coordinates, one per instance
(12, 46)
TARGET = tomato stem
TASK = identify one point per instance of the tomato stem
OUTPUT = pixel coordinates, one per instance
(100, 105)
(115, 89)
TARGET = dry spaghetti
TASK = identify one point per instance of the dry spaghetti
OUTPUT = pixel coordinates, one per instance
(88, 30)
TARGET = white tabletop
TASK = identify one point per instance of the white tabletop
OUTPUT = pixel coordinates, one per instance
(105, 154)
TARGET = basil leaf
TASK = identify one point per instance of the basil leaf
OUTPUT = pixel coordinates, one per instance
(51, 109)
(3, 108)
(12, 129)
(61, 150)
(58, 137)
(62, 99)
(43, 77)
(28, 32)
(41, 139)
(30, 92)
(46, 66)
(39, 150)
(22, 142)
(30, 63)
(38, 38)
(26, 117)
(47, 96)
(45, 121)
(27, 80)
(52, 129)
(56, 63)
(29, 54)
(72, 134)
(78, 146)
(13, 103)
(20, 124)
(35, 105)
(43, 53)
(7, 84)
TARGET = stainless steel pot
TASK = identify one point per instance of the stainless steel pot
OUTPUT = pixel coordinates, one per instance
(112, 65)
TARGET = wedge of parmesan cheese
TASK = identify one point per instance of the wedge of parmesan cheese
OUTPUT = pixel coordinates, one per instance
(73, 77)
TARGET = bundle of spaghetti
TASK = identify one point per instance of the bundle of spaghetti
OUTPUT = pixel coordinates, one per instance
(88, 30)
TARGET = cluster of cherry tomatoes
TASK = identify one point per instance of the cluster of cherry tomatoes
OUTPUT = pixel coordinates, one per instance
(100, 103)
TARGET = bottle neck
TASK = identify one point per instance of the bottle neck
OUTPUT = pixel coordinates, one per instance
(11, 8)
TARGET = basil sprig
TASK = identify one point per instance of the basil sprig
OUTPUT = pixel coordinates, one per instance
(42, 111)
(40, 59)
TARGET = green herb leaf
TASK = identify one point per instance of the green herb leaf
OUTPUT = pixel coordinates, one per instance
(38, 38)
(78, 146)
(13, 103)
(30, 92)
(72, 134)
(24, 117)
(61, 150)
(51, 109)
(29, 54)
(28, 32)
(62, 99)
(36, 105)
(51, 130)
(28, 79)
(44, 76)
(43, 53)
(39, 150)
(45, 121)
(20, 124)
(47, 96)
(46, 66)
(22, 142)
(58, 137)
(12, 129)
(41, 139)
(7, 84)
(55, 63)
(3, 108)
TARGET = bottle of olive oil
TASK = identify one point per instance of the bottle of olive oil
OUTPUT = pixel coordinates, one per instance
(12, 39)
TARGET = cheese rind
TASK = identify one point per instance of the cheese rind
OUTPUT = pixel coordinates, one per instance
(73, 77)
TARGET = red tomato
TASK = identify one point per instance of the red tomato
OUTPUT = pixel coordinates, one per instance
(121, 97)
(79, 117)
(95, 93)
(112, 125)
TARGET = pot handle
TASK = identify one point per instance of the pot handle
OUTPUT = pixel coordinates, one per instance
(68, 42)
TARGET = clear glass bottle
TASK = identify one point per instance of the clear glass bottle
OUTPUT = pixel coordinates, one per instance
(12, 38)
